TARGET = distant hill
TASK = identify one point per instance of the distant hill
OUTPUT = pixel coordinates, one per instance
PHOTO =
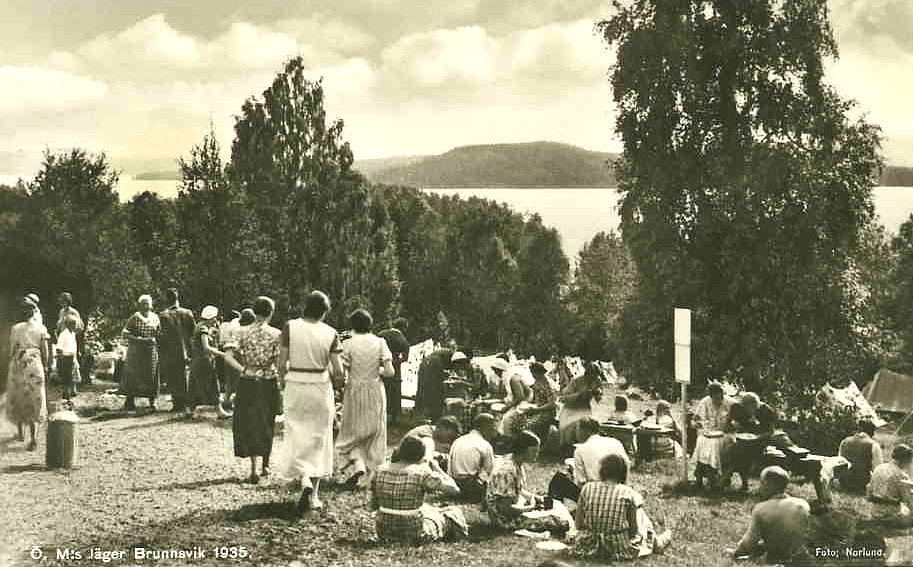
(536, 164)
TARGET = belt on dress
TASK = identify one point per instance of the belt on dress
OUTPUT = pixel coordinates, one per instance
(307, 376)
(395, 512)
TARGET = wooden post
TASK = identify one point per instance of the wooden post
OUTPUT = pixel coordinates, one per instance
(684, 428)
(682, 346)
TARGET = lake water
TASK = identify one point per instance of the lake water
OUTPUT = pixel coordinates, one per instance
(578, 214)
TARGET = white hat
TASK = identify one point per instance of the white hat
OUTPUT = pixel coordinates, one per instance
(33, 298)
(209, 312)
(458, 356)
(499, 364)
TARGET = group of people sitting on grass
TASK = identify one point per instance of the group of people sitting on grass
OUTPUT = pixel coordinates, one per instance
(590, 504)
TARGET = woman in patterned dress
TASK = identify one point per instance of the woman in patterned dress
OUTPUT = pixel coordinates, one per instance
(398, 495)
(363, 433)
(611, 520)
(257, 395)
(510, 505)
(308, 357)
(141, 374)
(26, 397)
(203, 387)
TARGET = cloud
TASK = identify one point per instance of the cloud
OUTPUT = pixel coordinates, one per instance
(442, 60)
(469, 63)
(34, 89)
(859, 21)
(328, 33)
(153, 50)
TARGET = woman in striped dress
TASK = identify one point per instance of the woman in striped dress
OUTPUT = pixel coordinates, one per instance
(363, 434)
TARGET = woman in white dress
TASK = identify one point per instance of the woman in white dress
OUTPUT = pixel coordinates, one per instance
(308, 356)
(363, 433)
(709, 419)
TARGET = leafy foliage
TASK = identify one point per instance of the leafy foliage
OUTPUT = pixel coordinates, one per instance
(322, 226)
(821, 428)
(746, 190)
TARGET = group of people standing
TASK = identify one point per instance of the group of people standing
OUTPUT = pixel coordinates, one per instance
(172, 347)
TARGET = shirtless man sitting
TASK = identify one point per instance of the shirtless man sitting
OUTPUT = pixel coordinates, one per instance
(779, 525)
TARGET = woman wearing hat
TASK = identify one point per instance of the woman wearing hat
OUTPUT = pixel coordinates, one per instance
(203, 389)
(141, 374)
(26, 397)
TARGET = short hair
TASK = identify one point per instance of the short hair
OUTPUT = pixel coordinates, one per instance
(247, 316)
(483, 420)
(144, 297)
(588, 425)
(866, 426)
(537, 368)
(361, 321)
(316, 305)
(449, 423)
(523, 441)
(902, 454)
(776, 477)
(621, 403)
(400, 323)
(263, 306)
(69, 322)
(171, 294)
(26, 310)
(66, 296)
(613, 467)
(714, 388)
(752, 399)
(411, 450)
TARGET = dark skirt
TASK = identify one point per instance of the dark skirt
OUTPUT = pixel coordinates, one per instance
(256, 407)
(141, 375)
(203, 387)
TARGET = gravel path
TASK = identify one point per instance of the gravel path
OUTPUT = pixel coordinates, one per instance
(163, 482)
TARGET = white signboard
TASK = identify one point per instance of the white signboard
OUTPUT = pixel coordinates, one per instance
(683, 346)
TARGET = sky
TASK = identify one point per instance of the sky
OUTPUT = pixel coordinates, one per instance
(146, 78)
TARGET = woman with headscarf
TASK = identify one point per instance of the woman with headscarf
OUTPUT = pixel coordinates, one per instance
(141, 373)
(203, 387)
(309, 354)
(257, 402)
(709, 419)
(363, 433)
(26, 396)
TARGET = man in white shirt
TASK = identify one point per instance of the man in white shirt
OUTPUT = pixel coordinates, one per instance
(472, 457)
(591, 449)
